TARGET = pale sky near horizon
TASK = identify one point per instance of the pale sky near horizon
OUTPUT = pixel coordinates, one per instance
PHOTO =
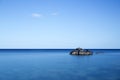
(59, 23)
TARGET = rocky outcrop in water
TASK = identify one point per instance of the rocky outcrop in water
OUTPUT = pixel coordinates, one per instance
(80, 51)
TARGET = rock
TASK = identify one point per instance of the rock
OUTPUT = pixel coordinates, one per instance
(80, 51)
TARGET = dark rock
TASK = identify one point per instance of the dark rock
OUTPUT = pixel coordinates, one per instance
(80, 51)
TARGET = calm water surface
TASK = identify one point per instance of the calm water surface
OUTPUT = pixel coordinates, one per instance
(59, 65)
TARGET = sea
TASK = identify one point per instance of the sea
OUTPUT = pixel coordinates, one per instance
(58, 64)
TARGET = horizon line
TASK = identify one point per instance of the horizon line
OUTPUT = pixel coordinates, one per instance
(49, 48)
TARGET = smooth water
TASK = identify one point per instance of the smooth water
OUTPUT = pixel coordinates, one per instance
(59, 65)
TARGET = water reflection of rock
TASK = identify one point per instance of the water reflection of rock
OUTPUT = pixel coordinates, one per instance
(80, 51)
(99, 52)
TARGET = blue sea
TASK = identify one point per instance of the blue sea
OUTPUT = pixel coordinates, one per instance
(57, 64)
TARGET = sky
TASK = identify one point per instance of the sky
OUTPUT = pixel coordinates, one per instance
(40, 24)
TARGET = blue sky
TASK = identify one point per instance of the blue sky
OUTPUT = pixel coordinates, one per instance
(59, 23)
